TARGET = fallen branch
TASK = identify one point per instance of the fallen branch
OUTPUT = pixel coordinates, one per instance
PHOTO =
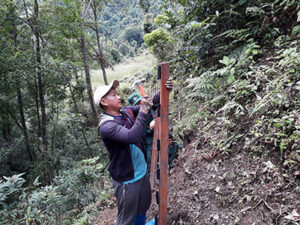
(266, 204)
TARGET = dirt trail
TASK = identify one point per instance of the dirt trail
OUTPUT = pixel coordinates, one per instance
(106, 217)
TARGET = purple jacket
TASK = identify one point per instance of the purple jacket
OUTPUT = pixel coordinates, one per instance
(117, 132)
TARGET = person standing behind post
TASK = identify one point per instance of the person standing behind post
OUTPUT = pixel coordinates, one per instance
(121, 129)
(173, 149)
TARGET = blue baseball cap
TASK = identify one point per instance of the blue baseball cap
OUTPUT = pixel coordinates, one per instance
(134, 99)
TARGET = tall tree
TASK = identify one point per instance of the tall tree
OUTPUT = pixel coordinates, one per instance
(85, 8)
(14, 35)
(39, 83)
(100, 55)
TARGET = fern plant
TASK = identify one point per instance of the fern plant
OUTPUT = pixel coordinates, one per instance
(202, 87)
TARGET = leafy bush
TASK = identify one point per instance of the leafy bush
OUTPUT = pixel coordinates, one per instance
(36, 206)
(9, 188)
(148, 24)
(161, 20)
(156, 36)
(124, 49)
(73, 190)
(115, 55)
(133, 33)
(79, 186)
(159, 43)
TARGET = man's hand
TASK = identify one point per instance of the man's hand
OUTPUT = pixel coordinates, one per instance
(169, 84)
(152, 124)
(146, 104)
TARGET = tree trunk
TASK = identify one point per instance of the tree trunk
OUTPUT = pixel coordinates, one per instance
(101, 58)
(41, 91)
(24, 127)
(5, 117)
(86, 65)
(20, 100)
(36, 89)
(40, 81)
(41, 88)
(5, 127)
(37, 108)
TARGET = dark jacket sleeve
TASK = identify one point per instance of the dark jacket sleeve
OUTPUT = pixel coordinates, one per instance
(135, 109)
(156, 98)
(114, 131)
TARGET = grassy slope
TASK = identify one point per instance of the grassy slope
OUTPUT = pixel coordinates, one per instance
(125, 69)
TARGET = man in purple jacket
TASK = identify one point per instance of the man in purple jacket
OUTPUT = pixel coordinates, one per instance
(121, 129)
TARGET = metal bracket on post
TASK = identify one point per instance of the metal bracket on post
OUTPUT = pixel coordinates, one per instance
(158, 174)
(159, 72)
(158, 145)
(157, 197)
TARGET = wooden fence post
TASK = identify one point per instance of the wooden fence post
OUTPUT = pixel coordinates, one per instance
(163, 136)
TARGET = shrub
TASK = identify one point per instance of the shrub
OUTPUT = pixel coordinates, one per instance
(124, 49)
(148, 24)
(115, 55)
(134, 33)
(37, 206)
(72, 191)
(156, 36)
(160, 20)
(159, 43)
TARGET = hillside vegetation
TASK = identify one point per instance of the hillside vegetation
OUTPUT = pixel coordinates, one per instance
(236, 108)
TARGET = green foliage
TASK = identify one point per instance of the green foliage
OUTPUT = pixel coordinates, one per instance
(238, 63)
(8, 187)
(133, 34)
(145, 5)
(115, 55)
(127, 21)
(202, 86)
(79, 185)
(133, 43)
(72, 191)
(124, 49)
(277, 123)
(81, 221)
(156, 36)
(160, 20)
(256, 98)
(148, 24)
(66, 119)
(208, 84)
(36, 206)
(159, 43)
(210, 30)
(45, 122)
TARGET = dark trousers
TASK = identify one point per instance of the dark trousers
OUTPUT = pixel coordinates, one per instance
(132, 199)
